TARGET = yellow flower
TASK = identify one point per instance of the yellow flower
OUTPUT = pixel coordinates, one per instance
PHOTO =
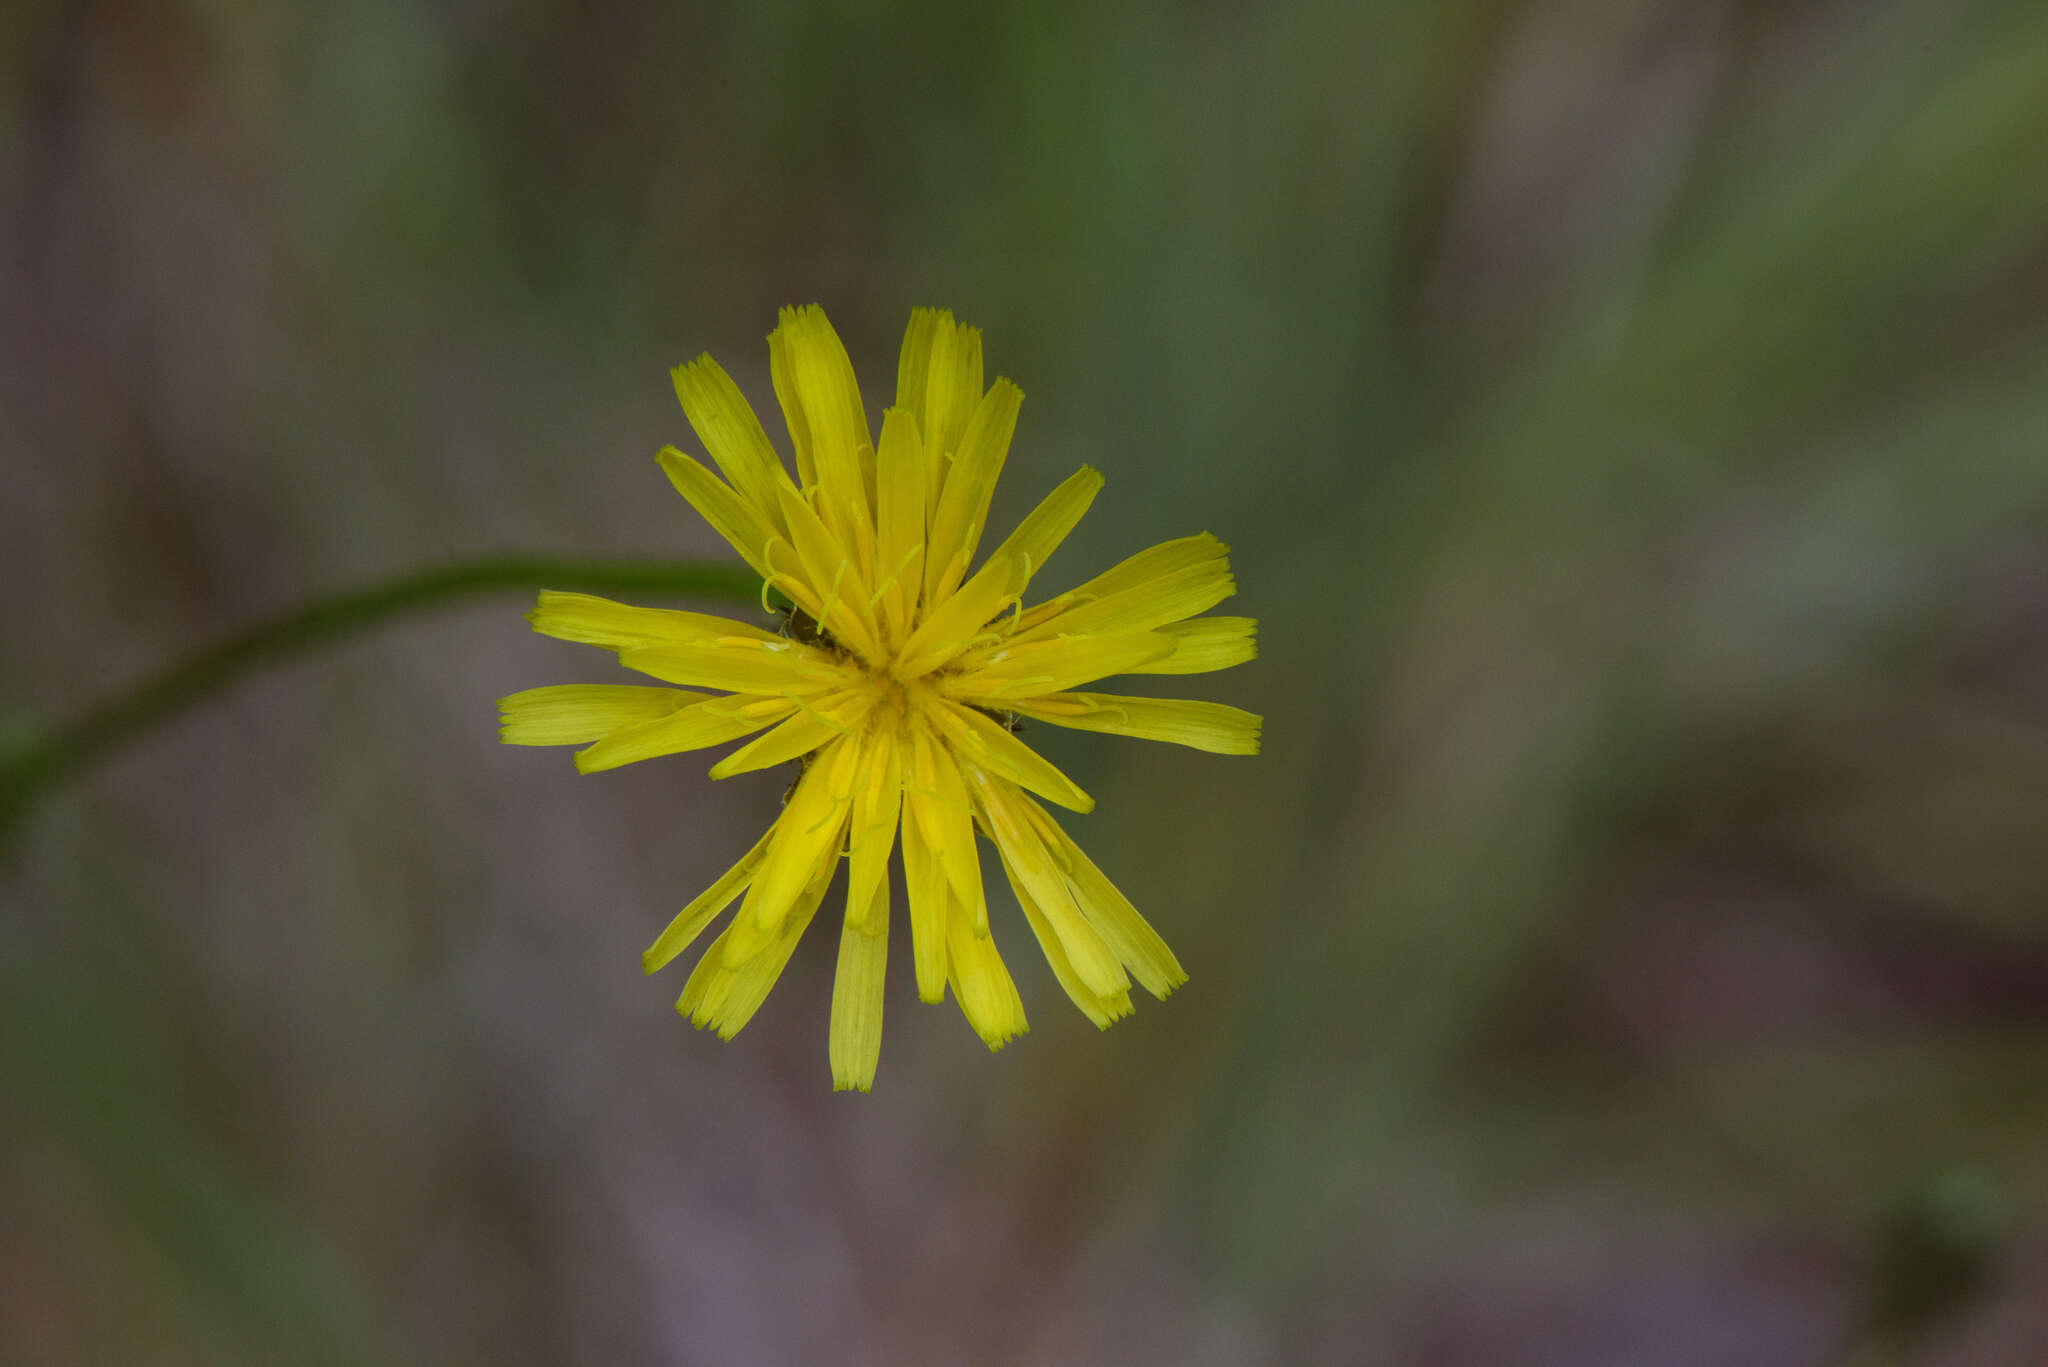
(898, 682)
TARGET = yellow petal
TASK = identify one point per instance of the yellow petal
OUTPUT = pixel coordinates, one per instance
(724, 421)
(819, 381)
(899, 517)
(1047, 525)
(620, 626)
(914, 362)
(711, 722)
(937, 796)
(856, 1034)
(1211, 726)
(1103, 1008)
(1043, 887)
(1205, 644)
(745, 528)
(938, 382)
(576, 714)
(834, 577)
(871, 834)
(1164, 583)
(957, 624)
(808, 829)
(981, 984)
(1000, 675)
(925, 879)
(1127, 933)
(689, 923)
(833, 715)
(742, 666)
(725, 997)
(782, 374)
(956, 526)
(978, 737)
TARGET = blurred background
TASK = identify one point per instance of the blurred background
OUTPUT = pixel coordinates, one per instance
(1630, 418)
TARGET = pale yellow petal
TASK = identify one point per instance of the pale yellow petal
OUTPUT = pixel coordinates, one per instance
(745, 528)
(725, 996)
(1001, 674)
(1033, 869)
(1103, 1008)
(711, 722)
(962, 513)
(980, 738)
(576, 714)
(689, 923)
(597, 621)
(742, 666)
(724, 421)
(1205, 644)
(1211, 726)
(1127, 933)
(981, 983)
(855, 1044)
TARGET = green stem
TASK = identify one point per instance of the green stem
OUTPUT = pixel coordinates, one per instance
(32, 772)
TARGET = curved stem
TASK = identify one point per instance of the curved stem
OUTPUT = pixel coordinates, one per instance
(31, 772)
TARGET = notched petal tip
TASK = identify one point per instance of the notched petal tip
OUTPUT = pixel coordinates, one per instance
(701, 361)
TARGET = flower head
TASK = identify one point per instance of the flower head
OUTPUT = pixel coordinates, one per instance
(897, 682)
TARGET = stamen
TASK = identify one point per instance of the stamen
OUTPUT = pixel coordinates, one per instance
(832, 722)
(830, 814)
(868, 832)
(938, 797)
(894, 575)
(832, 598)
